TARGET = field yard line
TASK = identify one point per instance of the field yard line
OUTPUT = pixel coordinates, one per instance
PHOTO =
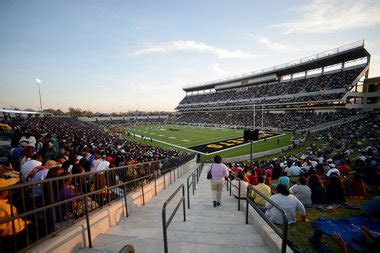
(205, 141)
(170, 144)
(241, 145)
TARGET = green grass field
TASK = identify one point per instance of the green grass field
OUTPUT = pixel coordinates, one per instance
(186, 136)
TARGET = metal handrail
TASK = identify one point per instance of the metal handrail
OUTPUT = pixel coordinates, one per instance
(239, 188)
(51, 202)
(282, 234)
(166, 223)
(194, 180)
(188, 185)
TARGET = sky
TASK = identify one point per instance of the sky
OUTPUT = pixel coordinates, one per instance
(119, 56)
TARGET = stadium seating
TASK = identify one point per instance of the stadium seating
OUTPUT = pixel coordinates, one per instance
(299, 90)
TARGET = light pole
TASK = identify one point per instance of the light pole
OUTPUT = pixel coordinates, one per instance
(39, 91)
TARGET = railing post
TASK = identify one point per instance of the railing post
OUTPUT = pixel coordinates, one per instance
(170, 172)
(142, 192)
(230, 187)
(155, 183)
(125, 200)
(246, 207)
(174, 174)
(164, 180)
(193, 179)
(284, 232)
(88, 223)
(239, 195)
(188, 194)
(164, 229)
(52, 201)
(183, 203)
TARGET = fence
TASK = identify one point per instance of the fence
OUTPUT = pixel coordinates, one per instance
(282, 233)
(193, 183)
(51, 205)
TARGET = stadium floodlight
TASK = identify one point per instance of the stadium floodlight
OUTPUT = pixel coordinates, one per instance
(39, 82)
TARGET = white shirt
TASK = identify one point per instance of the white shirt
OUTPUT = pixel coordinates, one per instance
(296, 170)
(218, 171)
(27, 167)
(103, 165)
(95, 165)
(302, 192)
(235, 188)
(41, 175)
(289, 203)
(31, 140)
(333, 170)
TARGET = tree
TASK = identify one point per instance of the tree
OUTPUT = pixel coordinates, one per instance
(75, 111)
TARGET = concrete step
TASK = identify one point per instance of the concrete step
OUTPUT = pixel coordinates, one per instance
(112, 244)
(207, 229)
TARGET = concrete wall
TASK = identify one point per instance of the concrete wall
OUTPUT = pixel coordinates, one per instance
(75, 236)
(332, 123)
(256, 155)
(270, 237)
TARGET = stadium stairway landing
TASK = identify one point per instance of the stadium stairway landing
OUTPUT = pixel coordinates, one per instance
(207, 229)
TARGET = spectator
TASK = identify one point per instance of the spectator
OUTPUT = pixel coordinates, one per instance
(332, 170)
(243, 186)
(6, 229)
(289, 203)
(262, 188)
(219, 172)
(284, 180)
(30, 165)
(355, 186)
(335, 190)
(302, 191)
(318, 191)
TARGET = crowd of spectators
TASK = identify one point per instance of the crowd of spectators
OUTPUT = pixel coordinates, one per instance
(53, 148)
(262, 101)
(305, 85)
(290, 120)
(341, 163)
(63, 139)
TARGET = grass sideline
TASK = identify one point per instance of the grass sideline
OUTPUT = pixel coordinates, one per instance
(187, 136)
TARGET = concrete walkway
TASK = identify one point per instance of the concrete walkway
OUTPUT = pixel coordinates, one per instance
(207, 229)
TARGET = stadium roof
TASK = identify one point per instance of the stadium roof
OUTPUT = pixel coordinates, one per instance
(18, 111)
(341, 54)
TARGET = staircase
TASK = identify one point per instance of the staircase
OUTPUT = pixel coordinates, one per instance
(207, 229)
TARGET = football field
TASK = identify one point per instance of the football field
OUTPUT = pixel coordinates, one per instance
(204, 140)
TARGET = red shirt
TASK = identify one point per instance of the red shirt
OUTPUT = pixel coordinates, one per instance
(344, 169)
(268, 178)
(358, 188)
(253, 179)
(259, 171)
(236, 170)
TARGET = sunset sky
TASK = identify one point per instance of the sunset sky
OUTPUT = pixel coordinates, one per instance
(113, 56)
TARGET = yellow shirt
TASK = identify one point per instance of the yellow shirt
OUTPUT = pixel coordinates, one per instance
(5, 212)
(264, 189)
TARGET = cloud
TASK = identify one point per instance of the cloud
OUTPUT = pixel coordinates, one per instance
(273, 45)
(193, 46)
(217, 69)
(327, 16)
(269, 43)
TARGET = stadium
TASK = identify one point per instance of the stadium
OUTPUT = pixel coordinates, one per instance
(280, 159)
(304, 95)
